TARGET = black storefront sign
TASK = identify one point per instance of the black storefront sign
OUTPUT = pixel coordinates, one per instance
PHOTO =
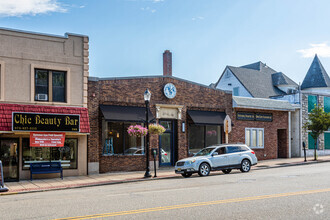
(264, 117)
(251, 116)
(22, 121)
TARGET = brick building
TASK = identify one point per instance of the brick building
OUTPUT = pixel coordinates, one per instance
(263, 125)
(125, 95)
(193, 119)
(43, 96)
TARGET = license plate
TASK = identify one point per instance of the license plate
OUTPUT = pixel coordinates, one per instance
(179, 169)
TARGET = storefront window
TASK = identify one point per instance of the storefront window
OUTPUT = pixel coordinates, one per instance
(254, 137)
(247, 137)
(200, 137)
(212, 135)
(67, 155)
(116, 140)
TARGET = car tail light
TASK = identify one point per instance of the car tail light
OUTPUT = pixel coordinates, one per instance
(252, 152)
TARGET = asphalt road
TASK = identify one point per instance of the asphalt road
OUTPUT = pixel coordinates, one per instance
(299, 192)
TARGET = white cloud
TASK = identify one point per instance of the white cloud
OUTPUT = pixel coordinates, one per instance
(155, 1)
(198, 18)
(322, 50)
(149, 9)
(11, 8)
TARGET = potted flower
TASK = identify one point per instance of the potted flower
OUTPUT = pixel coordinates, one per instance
(137, 131)
(156, 129)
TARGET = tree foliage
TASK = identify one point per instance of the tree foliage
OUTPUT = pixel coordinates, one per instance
(318, 122)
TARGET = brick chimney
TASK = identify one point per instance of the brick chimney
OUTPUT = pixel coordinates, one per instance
(167, 63)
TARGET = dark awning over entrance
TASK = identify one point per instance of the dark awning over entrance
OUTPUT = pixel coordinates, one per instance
(207, 117)
(125, 113)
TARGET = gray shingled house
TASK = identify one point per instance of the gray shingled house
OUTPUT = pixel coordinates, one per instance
(264, 84)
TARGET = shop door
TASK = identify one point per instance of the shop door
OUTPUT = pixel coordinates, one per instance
(9, 158)
(166, 144)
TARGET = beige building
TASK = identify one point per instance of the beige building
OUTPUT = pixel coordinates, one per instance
(43, 88)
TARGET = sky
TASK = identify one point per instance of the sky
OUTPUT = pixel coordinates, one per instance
(128, 37)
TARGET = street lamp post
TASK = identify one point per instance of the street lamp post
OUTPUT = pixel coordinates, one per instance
(147, 96)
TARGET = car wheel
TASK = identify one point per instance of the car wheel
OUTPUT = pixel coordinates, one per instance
(185, 175)
(226, 171)
(245, 166)
(204, 169)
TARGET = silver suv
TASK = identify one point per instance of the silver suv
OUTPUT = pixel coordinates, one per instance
(223, 157)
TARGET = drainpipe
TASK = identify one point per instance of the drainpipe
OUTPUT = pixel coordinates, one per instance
(289, 124)
(300, 121)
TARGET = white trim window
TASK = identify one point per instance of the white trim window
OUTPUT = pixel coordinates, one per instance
(254, 137)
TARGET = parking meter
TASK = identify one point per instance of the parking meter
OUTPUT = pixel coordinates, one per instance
(304, 146)
(154, 154)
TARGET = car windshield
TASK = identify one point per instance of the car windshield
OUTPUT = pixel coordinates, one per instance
(204, 152)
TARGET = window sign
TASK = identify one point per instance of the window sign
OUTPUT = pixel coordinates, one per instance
(22, 121)
(42, 139)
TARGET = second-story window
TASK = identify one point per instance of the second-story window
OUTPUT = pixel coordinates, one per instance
(50, 85)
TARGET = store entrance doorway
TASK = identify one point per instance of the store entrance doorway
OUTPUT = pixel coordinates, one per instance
(9, 157)
(167, 143)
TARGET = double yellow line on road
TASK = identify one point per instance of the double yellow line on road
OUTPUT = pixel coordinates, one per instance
(225, 201)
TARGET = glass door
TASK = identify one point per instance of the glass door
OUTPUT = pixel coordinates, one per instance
(166, 144)
(9, 158)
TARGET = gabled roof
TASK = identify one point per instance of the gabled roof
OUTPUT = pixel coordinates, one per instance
(280, 79)
(316, 76)
(257, 79)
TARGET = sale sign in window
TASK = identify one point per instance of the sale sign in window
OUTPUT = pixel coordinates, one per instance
(42, 139)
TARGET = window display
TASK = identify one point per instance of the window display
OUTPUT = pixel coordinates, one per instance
(116, 140)
(67, 155)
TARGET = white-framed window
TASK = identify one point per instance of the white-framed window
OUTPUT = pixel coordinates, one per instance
(50, 85)
(254, 137)
(236, 91)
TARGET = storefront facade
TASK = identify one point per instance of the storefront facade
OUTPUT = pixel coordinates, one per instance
(193, 119)
(43, 92)
(264, 125)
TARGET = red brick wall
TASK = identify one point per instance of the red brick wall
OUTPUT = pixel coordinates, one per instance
(280, 121)
(129, 92)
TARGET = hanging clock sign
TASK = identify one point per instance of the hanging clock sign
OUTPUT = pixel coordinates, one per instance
(169, 90)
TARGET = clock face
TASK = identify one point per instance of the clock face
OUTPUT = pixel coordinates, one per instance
(169, 90)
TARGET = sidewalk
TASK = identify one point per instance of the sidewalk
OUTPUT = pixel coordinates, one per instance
(39, 185)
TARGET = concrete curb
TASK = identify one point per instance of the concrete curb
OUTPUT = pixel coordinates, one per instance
(150, 179)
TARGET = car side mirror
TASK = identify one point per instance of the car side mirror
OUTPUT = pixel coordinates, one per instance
(215, 154)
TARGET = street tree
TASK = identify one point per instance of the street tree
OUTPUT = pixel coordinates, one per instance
(318, 122)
